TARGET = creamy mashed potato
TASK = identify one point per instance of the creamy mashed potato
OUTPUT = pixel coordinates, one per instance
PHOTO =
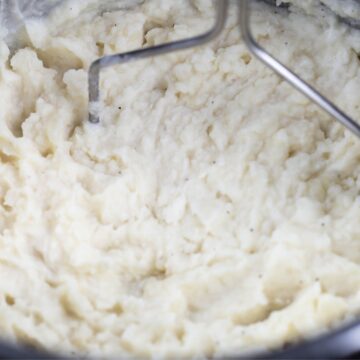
(213, 211)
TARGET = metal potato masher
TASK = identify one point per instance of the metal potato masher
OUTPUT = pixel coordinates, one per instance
(13, 12)
(244, 24)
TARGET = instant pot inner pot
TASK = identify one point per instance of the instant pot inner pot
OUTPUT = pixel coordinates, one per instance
(13, 14)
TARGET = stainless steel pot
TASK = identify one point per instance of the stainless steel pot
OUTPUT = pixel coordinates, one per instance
(341, 343)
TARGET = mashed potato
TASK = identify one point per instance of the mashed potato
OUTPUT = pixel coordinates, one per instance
(213, 211)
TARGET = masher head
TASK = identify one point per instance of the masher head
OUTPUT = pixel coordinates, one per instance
(244, 22)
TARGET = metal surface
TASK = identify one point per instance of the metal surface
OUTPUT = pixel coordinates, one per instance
(14, 13)
(17, 352)
(352, 21)
(341, 344)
